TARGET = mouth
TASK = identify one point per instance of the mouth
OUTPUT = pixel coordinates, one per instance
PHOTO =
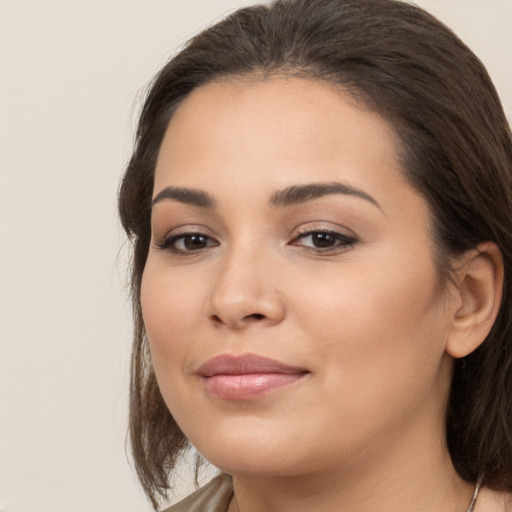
(247, 376)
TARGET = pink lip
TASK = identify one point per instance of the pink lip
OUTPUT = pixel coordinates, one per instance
(233, 377)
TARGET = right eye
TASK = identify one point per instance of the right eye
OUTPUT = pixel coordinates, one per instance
(187, 243)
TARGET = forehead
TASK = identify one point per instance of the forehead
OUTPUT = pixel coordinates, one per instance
(275, 113)
(280, 132)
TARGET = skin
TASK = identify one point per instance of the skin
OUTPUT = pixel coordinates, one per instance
(369, 319)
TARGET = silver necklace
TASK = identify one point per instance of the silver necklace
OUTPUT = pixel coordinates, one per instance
(475, 494)
(471, 507)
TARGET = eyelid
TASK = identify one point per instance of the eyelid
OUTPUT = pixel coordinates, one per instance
(322, 227)
(182, 229)
(325, 227)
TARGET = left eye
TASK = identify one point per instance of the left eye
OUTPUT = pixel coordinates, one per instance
(324, 240)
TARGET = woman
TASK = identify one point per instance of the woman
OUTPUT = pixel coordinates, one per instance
(319, 204)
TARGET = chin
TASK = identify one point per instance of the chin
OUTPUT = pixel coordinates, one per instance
(253, 464)
(248, 450)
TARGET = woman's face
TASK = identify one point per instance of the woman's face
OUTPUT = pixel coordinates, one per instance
(294, 313)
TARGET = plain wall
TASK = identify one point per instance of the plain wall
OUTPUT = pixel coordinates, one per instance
(70, 75)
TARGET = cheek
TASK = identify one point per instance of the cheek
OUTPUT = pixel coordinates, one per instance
(171, 326)
(376, 318)
(380, 350)
(170, 314)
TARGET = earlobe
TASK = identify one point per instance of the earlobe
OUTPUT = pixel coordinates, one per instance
(480, 280)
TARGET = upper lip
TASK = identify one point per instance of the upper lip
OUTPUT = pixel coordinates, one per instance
(231, 364)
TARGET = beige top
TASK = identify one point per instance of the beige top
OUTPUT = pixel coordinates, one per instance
(215, 496)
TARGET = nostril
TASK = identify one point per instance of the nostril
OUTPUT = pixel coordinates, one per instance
(216, 319)
(255, 316)
(245, 320)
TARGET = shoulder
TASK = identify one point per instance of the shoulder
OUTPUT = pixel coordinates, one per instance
(215, 496)
(494, 501)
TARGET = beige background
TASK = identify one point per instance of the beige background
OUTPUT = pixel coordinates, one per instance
(70, 73)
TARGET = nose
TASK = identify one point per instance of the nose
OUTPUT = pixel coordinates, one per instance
(245, 292)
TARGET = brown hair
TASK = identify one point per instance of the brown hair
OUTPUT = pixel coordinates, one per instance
(456, 149)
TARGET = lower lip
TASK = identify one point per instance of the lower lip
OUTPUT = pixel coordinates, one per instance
(248, 386)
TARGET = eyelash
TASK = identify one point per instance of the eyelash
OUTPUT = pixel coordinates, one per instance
(341, 241)
(169, 243)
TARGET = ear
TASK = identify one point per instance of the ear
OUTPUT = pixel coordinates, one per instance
(479, 290)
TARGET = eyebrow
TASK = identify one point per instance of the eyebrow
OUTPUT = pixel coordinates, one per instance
(298, 194)
(290, 196)
(190, 196)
